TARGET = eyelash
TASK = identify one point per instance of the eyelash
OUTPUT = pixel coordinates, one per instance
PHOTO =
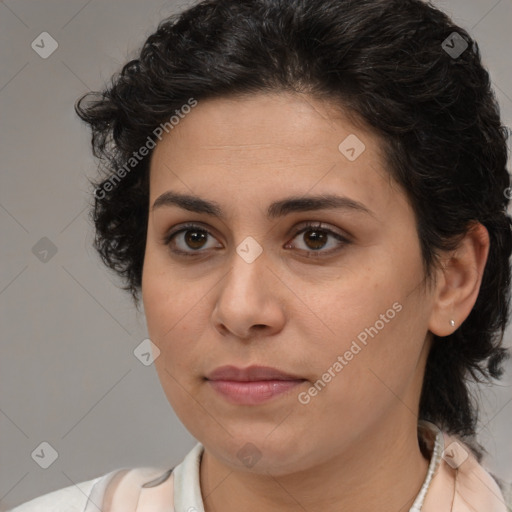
(309, 226)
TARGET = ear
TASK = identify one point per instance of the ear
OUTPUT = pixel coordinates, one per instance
(458, 281)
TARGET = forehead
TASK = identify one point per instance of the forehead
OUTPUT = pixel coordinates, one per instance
(256, 147)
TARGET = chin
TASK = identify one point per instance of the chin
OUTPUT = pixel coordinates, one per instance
(259, 452)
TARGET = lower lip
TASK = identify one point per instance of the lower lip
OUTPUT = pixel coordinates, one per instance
(255, 392)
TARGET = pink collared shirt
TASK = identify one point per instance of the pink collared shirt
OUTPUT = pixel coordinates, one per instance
(461, 484)
(455, 482)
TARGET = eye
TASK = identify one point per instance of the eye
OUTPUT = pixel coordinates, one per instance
(317, 238)
(192, 239)
(190, 236)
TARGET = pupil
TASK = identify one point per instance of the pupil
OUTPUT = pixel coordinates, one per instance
(195, 237)
(318, 238)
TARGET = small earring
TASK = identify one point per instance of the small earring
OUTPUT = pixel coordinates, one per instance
(452, 323)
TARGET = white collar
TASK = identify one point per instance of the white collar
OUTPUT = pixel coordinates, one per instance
(435, 459)
(187, 490)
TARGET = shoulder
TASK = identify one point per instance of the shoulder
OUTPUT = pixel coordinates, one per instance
(68, 499)
(462, 484)
(119, 488)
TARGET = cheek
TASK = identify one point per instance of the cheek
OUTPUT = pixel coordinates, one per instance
(374, 320)
(167, 297)
(175, 315)
(357, 383)
(172, 320)
(355, 299)
(171, 329)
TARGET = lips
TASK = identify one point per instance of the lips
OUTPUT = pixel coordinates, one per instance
(251, 374)
(254, 385)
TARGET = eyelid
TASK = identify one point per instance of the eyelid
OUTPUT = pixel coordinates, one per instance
(188, 226)
(323, 227)
(343, 239)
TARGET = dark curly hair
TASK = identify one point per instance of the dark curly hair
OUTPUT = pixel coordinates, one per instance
(387, 63)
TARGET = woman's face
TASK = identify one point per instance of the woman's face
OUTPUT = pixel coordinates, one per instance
(341, 307)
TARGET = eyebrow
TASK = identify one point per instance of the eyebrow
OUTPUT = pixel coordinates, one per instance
(277, 209)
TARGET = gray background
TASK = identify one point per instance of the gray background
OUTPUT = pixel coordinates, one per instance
(68, 375)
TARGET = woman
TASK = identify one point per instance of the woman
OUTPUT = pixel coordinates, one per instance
(310, 199)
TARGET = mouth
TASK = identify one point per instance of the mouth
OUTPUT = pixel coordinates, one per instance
(253, 385)
(251, 374)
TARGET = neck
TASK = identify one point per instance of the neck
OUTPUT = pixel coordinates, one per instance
(383, 470)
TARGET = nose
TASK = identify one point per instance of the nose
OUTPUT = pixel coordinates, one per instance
(250, 300)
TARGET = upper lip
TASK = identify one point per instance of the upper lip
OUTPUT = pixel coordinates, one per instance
(252, 373)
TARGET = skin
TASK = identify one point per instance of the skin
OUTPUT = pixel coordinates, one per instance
(354, 445)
